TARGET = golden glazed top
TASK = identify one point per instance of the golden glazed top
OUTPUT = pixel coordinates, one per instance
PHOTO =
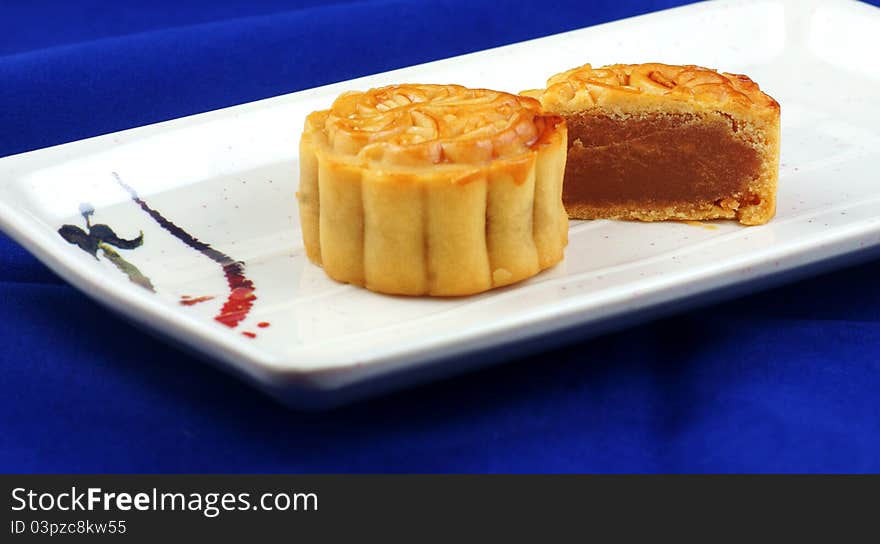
(628, 86)
(406, 126)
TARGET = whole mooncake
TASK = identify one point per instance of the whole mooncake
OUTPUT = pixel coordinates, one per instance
(433, 189)
(656, 141)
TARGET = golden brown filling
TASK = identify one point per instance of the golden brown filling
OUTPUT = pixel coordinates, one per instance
(661, 159)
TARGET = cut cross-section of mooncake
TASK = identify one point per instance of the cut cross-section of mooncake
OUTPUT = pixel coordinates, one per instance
(655, 142)
(432, 189)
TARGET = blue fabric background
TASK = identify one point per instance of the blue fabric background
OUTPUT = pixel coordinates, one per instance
(786, 380)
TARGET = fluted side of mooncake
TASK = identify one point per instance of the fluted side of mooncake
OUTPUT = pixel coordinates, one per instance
(433, 189)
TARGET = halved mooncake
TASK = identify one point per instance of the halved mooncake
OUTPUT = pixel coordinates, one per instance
(655, 141)
(432, 189)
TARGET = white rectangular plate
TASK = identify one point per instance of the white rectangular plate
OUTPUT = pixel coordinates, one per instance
(228, 178)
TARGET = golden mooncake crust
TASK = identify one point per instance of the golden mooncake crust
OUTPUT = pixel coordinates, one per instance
(432, 189)
(676, 88)
(698, 96)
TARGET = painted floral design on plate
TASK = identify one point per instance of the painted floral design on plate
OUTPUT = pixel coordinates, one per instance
(95, 238)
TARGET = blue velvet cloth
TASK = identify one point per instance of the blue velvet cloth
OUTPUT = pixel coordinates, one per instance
(786, 380)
